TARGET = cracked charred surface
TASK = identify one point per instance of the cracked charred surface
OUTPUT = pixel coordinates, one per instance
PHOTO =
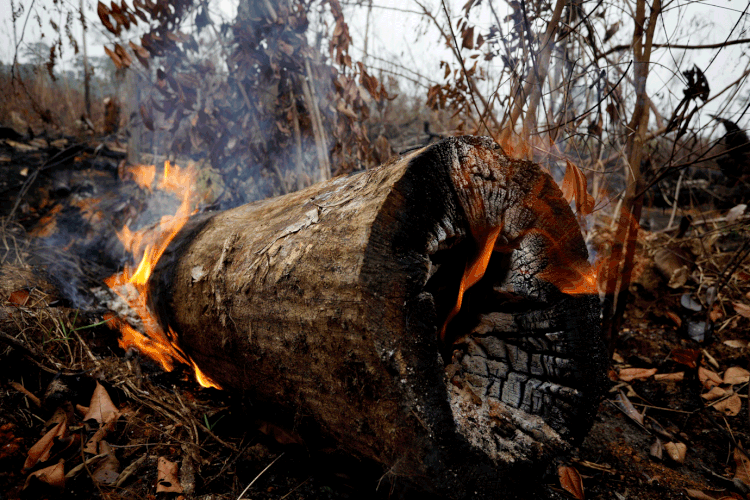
(328, 302)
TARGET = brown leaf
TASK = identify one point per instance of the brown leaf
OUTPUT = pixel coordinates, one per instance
(708, 377)
(570, 480)
(115, 58)
(345, 110)
(736, 375)
(166, 477)
(716, 313)
(575, 188)
(676, 451)
(715, 393)
(742, 471)
(676, 377)
(741, 309)
(629, 374)
(467, 41)
(108, 469)
(629, 409)
(101, 408)
(698, 495)
(92, 445)
(687, 357)
(123, 55)
(19, 297)
(103, 13)
(140, 53)
(54, 475)
(656, 450)
(674, 317)
(117, 13)
(730, 406)
(40, 452)
(736, 344)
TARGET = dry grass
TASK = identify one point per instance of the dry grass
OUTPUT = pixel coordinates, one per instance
(35, 100)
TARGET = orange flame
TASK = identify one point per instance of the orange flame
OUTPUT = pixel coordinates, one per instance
(132, 284)
(143, 175)
(474, 272)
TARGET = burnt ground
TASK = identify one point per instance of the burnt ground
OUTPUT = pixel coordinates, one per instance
(54, 350)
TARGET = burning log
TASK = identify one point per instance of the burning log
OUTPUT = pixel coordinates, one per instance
(436, 314)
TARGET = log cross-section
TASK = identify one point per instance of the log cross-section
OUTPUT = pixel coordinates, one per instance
(339, 303)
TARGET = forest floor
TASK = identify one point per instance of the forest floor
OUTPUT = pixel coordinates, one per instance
(673, 424)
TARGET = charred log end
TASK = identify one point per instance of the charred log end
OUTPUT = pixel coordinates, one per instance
(520, 375)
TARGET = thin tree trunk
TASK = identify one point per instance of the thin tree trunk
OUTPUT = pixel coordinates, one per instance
(86, 71)
(532, 90)
(623, 246)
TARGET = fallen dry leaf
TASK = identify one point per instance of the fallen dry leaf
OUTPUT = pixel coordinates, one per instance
(40, 452)
(742, 471)
(741, 309)
(715, 393)
(10, 444)
(736, 375)
(736, 344)
(708, 377)
(735, 212)
(627, 407)
(101, 408)
(716, 313)
(570, 480)
(687, 357)
(710, 359)
(674, 317)
(677, 376)
(629, 374)
(617, 358)
(108, 469)
(698, 495)
(54, 475)
(656, 449)
(19, 297)
(730, 406)
(676, 451)
(166, 477)
(92, 445)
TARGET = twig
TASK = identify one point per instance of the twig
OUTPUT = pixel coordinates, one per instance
(256, 477)
(295, 488)
(34, 399)
(719, 45)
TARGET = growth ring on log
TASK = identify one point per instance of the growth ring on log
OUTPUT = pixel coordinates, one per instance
(340, 303)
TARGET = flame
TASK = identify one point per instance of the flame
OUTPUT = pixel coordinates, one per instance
(474, 271)
(132, 283)
(143, 175)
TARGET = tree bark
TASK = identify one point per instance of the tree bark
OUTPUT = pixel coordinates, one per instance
(330, 302)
